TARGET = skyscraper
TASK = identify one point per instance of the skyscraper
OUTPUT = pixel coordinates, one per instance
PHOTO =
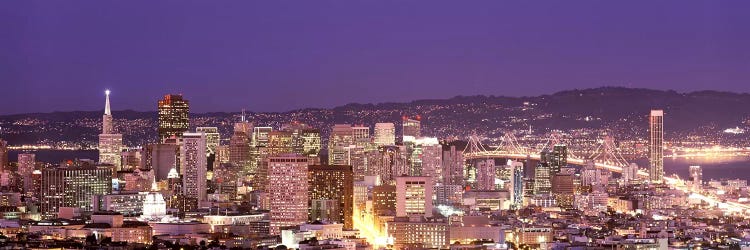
(516, 184)
(558, 158)
(411, 127)
(485, 174)
(287, 189)
(212, 138)
(413, 196)
(3, 155)
(542, 178)
(342, 135)
(332, 183)
(193, 165)
(697, 175)
(26, 164)
(453, 167)
(361, 135)
(385, 134)
(656, 147)
(110, 144)
(173, 116)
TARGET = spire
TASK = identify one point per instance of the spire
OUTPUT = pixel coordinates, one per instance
(243, 115)
(107, 111)
(154, 187)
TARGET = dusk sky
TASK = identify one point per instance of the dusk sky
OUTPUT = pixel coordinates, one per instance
(283, 55)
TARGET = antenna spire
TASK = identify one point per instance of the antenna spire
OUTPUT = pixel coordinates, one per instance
(107, 110)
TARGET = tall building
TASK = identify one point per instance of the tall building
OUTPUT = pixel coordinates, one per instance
(485, 174)
(384, 200)
(558, 158)
(305, 140)
(411, 127)
(385, 134)
(212, 138)
(73, 186)
(160, 157)
(287, 189)
(3, 155)
(361, 135)
(656, 147)
(110, 144)
(516, 184)
(696, 174)
(332, 183)
(342, 135)
(453, 166)
(193, 165)
(280, 142)
(563, 187)
(260, 136)
(240, 147)
(173, 116)
(26, 164)
(413, 196)
(542, 178)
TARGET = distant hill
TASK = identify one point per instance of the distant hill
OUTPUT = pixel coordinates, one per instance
(622, 111)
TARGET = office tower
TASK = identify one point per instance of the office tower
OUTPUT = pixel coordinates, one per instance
(656, 147)
(173, 116)
(342, 135)
(696, 174)
(161, 158)
(542, 178)
(287, 189)
(453, 164)
(110, 144)
(193, 165)
(516, 184)
(385, 161)
(73, 186)
(411, 127)
(384, 200)
(355, 156)
(3, 155)
(212, 138)
(385, 134)
(26, 164)
(260, 136)
(485, 174)
(558, 158)
(131, 159)
(332, 183)
(629, 173)
(280, 142)
(361, 135)
(431, 159)
(305, 140)
(563, 187)
(413, 196)
(240, 147)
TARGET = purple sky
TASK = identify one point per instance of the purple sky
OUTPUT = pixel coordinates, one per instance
(282, 55)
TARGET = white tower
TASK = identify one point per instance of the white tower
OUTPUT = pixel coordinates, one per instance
(110, 144)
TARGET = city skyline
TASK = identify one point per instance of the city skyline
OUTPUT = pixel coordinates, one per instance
(324, 56)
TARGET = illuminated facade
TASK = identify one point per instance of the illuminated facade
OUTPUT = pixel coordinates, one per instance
(696, 174)
(361, 135)
(342, 136)
(411, 127)
(110, 144)
(385, 134)
(384, 200)
(26, 164)
(656, 147)
(419, 234)
(212, 138)
(333, 183)
(453, 167)
(485, 174)
(413, 196)
(173, 116)
(260, 136)
(287, 190)
(73, 187)
(193, 165)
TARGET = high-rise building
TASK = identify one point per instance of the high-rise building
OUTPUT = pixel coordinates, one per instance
(384, 200)
(305, 140)
(542, 178)
(260, 136)
(696, 174)
(287, 188)
(453, 167)
(240, 147)
(280, 142)
(26, 164)
(629, 173)
(385, 134)
(173, 116)
(656, 147)
(516, 184)
(485, 174)
(413, 196)
(3, 155)
(342, 135)
(361, 135)
(563, 187)
(73, 186)
(411, 127)
(110, 143)
(558, 158)
(212, 138)
(332, 183)
(161, 158)
(193, 165)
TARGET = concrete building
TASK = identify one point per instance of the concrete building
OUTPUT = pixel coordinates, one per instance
(414, 196)
(287, 190)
